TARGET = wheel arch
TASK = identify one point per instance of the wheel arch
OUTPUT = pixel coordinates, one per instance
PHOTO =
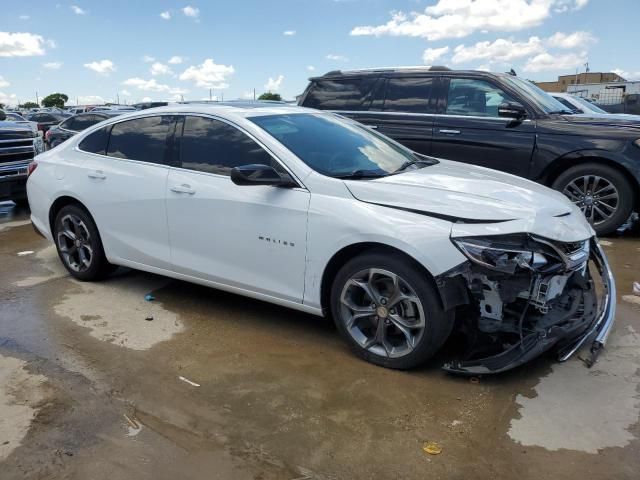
(350, 251)
(61, 202)
(553, 171)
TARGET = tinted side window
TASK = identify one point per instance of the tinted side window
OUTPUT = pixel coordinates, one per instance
(474, 97)
(143, 139)
(408, 95)
(96, 142)
(341, 94)
(83, 121)
(68, 123)
(213, 146)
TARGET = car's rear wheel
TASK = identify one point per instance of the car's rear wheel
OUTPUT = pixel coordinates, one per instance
(603, 194)
(388, 311)
(79, 245)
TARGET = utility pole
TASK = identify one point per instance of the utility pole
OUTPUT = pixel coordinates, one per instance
(118, 98)
(221, 96)
(37, 100)
(254, 94)
(209, 94)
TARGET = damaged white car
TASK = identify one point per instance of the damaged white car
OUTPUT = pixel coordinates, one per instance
(321, 214)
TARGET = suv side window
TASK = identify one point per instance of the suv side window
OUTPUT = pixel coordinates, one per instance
(212, 146)
(408, 95)
(96, 142)
(69, 124)
(144, 139)
(341, 94)
(474, 97)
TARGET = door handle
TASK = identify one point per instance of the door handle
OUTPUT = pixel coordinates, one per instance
(184, 188)
(97, 174)
(449, 132)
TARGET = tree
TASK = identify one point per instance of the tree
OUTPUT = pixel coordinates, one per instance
(1, 106)
(55, 100)
(29, 105)
(270, 96)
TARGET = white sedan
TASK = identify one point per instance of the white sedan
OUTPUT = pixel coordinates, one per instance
(318, 213)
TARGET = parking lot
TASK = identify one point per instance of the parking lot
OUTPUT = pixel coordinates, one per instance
(96, 383)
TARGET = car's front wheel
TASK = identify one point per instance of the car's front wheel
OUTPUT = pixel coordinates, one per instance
(388, 310)
(79, 245)
(603, 194)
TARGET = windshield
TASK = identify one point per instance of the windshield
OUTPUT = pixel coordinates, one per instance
(588, 106)
(335, 147)
(542, 99)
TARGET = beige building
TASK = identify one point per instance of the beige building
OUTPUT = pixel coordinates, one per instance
(564, 81)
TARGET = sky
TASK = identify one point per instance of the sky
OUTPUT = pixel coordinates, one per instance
(136, 50)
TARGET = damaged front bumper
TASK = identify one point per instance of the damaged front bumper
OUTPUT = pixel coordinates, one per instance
(512, 318)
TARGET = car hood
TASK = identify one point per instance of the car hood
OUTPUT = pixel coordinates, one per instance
(470, 195)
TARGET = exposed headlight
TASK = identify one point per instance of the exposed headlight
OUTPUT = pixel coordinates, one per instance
(503, 254)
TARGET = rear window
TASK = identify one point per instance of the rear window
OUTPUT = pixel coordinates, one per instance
(96, 142)
(341, 94)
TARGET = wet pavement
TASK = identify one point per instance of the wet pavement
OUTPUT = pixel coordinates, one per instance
(219, 386)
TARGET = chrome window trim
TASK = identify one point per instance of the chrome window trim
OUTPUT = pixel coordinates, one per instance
(377, 112)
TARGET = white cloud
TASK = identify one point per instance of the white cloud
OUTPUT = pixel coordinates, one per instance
(273, 85)
(8, 98)
(175, 60)
(289, 33)
(24, 17)
(52, 65)
(431, 55)
(500, 50)
(570, 40)
(337, 58)
(77, 10)
(190, 11)
(209, 74)
(166, 15)
(90, 100)
(546, 61)
(148, 59)
(459, 18)
(152, 86)
(147, 99)
(3, 82)
(623, 73)
(562, 6)
(160, 69)
(103, 67)
(21, 44)
(125, 93)
(311, 68)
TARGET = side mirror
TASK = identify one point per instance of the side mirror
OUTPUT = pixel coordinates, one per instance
(260, 175)
(512, 110)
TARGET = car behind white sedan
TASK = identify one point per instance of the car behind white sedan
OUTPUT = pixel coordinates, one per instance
(318, 213)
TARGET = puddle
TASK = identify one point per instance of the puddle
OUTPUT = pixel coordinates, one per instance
(20, 393)
(583, 409)
(46, 259)
(115, 311)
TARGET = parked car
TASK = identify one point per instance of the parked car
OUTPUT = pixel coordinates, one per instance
(72, 125)
(19, 144)
(17, 118)
(581, 105)
(46, 120)
(498, 121)
(319, 213)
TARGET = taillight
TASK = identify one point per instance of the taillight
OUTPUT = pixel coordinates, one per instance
(31, 168)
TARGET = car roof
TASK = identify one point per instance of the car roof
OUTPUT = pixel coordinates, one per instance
(401, 71)
(226, 109)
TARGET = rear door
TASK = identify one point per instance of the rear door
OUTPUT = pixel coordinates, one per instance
(249, 237)
(468, 128)
(125, 189)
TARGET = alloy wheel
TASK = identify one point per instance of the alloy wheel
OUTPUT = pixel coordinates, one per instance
(382, 313)
(596, 196)
(75, 243)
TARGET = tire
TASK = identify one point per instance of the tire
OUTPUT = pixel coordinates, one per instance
(79, 245)
(398, 350)
(578, 183)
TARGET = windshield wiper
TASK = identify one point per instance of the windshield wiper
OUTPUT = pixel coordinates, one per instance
(417, 161)
(357, 174)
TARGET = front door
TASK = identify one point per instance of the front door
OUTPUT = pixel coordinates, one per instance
(248, 237)
(470, 130)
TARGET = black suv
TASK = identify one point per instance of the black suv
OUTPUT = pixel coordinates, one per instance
(498, 121)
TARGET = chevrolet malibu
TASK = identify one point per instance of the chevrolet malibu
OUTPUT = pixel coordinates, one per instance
(321, 214)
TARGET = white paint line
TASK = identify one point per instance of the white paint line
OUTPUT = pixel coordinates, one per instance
(193, 384)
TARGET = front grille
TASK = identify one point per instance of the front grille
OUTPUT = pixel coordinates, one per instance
(16, 149)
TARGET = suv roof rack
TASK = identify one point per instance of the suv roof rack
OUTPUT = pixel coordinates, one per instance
(423, 68)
